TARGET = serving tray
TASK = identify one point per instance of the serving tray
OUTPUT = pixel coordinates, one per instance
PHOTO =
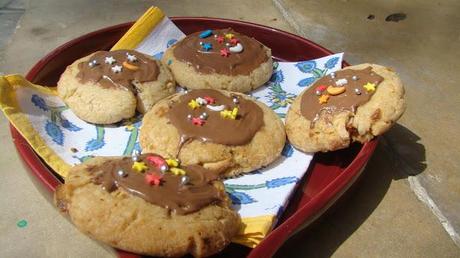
(330, 174)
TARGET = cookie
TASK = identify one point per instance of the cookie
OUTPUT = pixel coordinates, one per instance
(148, 205)
(108, 86)
(226, 132)
(219, 59)
(353, 104)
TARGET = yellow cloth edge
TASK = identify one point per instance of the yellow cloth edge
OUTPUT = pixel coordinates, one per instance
(254, 230)
(12, 110)
(140, 29)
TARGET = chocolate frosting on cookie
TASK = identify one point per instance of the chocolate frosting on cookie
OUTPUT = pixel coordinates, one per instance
(118, 68)
(221, 51)
(207, 122)
(181, 194)
(344, 90)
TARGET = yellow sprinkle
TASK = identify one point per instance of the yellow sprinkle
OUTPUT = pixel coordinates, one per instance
(177, 171)
(323, 99)
(139, 166)
(193, 104)
(369, 87)
(172, 162)
(234, 112)
(229, 35)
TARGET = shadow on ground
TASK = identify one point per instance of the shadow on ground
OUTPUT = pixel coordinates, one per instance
(399, 148)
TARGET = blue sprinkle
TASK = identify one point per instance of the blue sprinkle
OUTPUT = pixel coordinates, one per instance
(207, 46)
(205, 34)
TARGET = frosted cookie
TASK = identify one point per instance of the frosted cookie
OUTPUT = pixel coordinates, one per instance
(353, 104)
(149, 205)
(226, 132)
(108, 86)
(220, 59)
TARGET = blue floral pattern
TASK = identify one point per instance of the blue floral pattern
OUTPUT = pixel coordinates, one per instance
(52, 127)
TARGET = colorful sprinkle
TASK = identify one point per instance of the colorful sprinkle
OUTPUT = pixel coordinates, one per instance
(139, 167)
(210, 100)
(131, 58)
(156, 161)
(109, 60)
(230, 114)
(205, 34)
(341, 82)
(122, 173)
(234, 41)
(153, 179)
(370, 87)
(216, 108)
(172, 162)
(323, 99)
(224, 52)
(229, 35)
(201, 101)
(335, 90)
(178, 171)
(193, 104)
(198, 121)
(22, 223)
(236, 49)
(130, 66)
(321, 87)
(220, 39)
(207, 46)
(184, 180)
(92, 63)
(117, 68)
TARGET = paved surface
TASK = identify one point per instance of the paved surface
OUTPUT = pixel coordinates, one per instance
(382, 217)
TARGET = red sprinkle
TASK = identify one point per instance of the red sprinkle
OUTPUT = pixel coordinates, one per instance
(210, 100)
(220, 39)
(224, 52)
(152, 179)
(197, 121)
(321, 87)
(156, 161)
(234, 41)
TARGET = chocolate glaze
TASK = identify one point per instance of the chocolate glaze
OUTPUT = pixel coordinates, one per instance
(170, 194)
(310, 107)
(101, 73)
(190, 51)
(216, 129)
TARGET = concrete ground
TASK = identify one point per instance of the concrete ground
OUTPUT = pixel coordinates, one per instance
(407, 203)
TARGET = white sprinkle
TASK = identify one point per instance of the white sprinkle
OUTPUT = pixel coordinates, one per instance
(332, 75)
(341, 82)
(109, 60)
(354, 78)
(201, 101)
(117, 68)
(358, 92)
(216, 108)
(236, 100)
(164, 168)
(122, 173)
(184, 180)
(236, 49)
(318, 93)
(131, 58)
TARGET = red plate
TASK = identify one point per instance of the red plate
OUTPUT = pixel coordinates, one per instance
(330, 175)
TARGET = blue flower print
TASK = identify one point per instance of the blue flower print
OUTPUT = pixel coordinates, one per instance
(277, 182)
(171, 42)
(54, 132)
(240, 198)
(306, 82)
(287, 150)
(306, 66)
(331, 62)
(158, 56)
(39, 102)
(277, 77)
(69, 126)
